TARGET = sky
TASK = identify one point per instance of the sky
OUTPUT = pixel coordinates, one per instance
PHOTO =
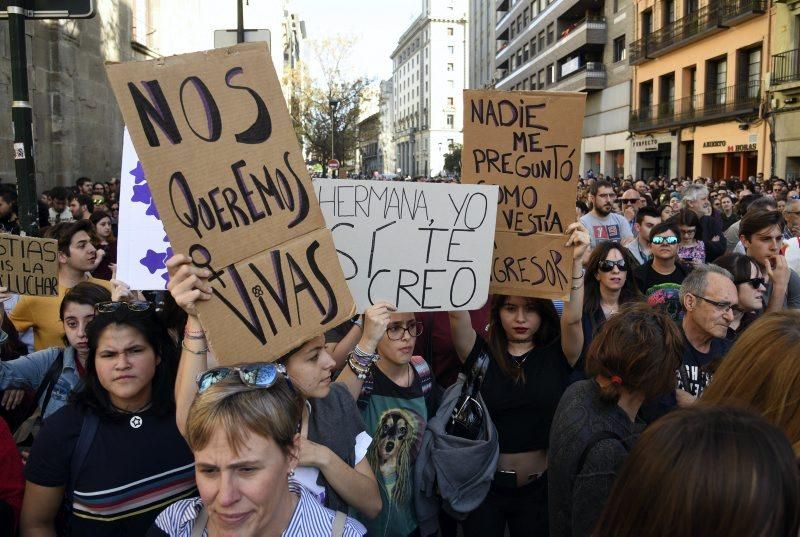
(375, 24)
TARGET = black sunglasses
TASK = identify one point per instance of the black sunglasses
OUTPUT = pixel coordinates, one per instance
(135, 306)
(607, 265)
(754, 282)
(662, 240)
(628, 202)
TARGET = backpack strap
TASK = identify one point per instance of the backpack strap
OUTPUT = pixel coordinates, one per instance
(424, 371)
(88, 430)
(49, 381)
(366, 391)
(593, 441)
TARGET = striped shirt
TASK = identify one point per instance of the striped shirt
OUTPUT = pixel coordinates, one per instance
(310, 519)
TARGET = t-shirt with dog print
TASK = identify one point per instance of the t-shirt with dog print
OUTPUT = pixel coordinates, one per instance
(395, 417)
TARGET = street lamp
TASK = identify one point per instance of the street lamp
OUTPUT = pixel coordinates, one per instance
(333, 103)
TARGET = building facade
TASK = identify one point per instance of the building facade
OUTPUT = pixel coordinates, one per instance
(783, 106)
(429, 72)
(573, 45)
(368, 153)
(386, 145)
(481, 43)
(700, 67)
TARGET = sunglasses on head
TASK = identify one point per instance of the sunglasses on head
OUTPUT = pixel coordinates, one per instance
(135, 306)
(754, 282)
(662, 240)
(607, 265)
(256, 375)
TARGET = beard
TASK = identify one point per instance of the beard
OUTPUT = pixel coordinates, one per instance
(602, 211)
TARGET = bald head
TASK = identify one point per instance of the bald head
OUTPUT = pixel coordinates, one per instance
(633, 198)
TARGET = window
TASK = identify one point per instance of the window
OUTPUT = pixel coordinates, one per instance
(645, 99)
(667, 12)
(532, 82)
(666, 95)
(451, 50)
(753, 72)
(647, 22)
(551, 33)
(449, 101)
(541, 41)
(540, 78)
(619, 48)
(533, 47)
(449, 30)
(525, 15)
(450, 118)
(616, 6)
(450, 84)
(525, 52)
(716, 81)
(690, 6)
(551, 74)
(449, 66)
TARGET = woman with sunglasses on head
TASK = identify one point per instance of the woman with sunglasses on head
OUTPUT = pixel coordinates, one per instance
(751, 286)
(333, 443)
(531, 355)
(114, 453)
(243, 430)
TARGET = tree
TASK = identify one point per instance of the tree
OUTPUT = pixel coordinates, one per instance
(452, 160)
(313, 114)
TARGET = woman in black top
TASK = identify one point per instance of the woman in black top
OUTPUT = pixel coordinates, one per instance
(531, 360)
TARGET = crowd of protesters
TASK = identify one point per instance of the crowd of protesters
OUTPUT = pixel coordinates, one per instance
(662, 398)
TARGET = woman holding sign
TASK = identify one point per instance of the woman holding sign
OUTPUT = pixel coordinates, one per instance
(531, 360)
(333, 443)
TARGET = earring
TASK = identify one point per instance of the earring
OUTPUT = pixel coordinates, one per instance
(291, 473)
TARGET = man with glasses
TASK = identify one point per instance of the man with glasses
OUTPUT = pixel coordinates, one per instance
(602, 223)
(695, 197)
(708, 295)
(779, 189)
(663, 268)
(791, 213)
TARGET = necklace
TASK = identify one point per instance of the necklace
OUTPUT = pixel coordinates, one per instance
(519, 361)
(136, 421)
(609, 310)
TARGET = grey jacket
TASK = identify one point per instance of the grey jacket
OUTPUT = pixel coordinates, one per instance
(462, 470)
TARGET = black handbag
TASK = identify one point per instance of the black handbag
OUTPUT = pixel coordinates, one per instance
(468, 417)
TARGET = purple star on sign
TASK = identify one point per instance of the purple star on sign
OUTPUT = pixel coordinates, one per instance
(138, 173)
(141, 194)
(154, 261)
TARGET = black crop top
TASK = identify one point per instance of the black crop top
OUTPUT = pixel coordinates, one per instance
(523, 412)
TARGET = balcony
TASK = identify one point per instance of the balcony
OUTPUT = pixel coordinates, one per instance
(738, 11)
(786, 67)
(590, 76)
(697, 25)
(738, 100)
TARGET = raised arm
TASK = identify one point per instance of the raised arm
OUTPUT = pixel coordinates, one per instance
(188, 284)
(376, 319)
(462, 333)
(571, 329)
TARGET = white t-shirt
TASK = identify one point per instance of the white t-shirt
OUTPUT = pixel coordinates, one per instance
(307, 475)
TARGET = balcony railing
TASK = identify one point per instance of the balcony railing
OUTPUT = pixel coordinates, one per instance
(676, 33)
(586, 77)
(786, 67)
(736, 11)
(739, 99)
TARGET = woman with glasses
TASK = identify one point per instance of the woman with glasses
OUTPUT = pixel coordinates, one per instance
(243, 430)
(531, 355)
(691, 249)
(333, 442)
(54, 373)
(393, 389)
(113, 456)
(609, 285)
(751, 286)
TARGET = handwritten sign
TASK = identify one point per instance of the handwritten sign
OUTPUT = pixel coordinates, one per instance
(421, 246)
(28, 265)
(228, 178)
(527, 143)
(142, 247)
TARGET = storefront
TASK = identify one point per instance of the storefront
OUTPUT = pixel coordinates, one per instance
(726, 150)
(653, 156)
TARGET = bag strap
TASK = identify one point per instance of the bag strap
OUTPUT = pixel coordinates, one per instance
(49, 381)
(593, 441)
(338, 524)
(88, 430)
(200, 523)
(424, 371)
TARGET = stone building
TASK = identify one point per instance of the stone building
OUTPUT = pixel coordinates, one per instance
(783, 106)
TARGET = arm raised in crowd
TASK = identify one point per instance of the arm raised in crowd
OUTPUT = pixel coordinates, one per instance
(462, 333)
(188, 285)
(376, 320)
(571, 329)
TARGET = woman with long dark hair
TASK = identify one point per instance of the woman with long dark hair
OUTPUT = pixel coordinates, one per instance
(114, 454)
(751, 285)
(530, 357)
(691, 249)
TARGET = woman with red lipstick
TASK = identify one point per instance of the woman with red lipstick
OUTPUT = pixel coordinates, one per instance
(531, 359)
(55, 372)
(608, 286)
(333, 464)
(114, 453)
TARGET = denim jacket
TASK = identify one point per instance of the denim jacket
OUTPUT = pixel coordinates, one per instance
(29, 372)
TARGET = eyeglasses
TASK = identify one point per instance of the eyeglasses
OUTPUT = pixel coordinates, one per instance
(607, 265)
(630, 201)
(256, 375)
(135, 305)
(661, 240)
(754, 282)
(722, 307)
(396, 332)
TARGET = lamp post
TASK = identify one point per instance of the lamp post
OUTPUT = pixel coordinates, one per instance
(333, 103)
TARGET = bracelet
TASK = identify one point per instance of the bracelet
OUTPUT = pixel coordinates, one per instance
(583, 273)
(365, 359)
(358, 321)
(189, 335)
(359, 370)
(196, 353)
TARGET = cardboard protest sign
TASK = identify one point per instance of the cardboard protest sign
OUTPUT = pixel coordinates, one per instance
(528, 143)
(225, 170)
(142, 244)
(29, 266)
(420, 246)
